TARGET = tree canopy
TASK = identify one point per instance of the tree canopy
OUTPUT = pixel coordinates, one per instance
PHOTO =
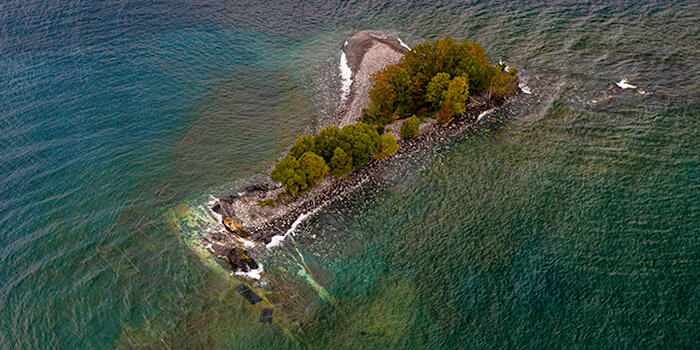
(420, 81)
(332, 150)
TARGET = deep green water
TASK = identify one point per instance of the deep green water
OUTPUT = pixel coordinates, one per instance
(574, 224)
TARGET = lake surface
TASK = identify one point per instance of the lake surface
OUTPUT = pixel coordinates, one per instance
(575, 224)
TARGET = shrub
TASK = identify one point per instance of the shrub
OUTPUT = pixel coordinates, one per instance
(388, 148)
(341, 163)
(268, 202)
(410, 128)
(513, 70)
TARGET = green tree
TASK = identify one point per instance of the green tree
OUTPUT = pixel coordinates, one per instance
(359, 141)
(382, 96)
(302, 145)
(457, 94)
(388, 147)
(313, 167)
(341, 163)
(298, 175)
(288, 173)
(326, 141)
(437, 89)
(410, 128)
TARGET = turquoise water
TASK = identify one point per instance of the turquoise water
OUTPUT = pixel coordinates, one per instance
(573, 224)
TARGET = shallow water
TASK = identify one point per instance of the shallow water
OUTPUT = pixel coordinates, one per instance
(574, 224)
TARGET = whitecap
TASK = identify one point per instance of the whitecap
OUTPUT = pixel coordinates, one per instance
(404, 44)
(277, 240)
(484, 113)
(624, 84)
(253, 274)
(345, 76)
(524, 88)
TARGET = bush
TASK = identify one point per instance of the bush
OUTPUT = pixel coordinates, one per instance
(410, 128)
(388, 148)
(268, 202)
(341, 163)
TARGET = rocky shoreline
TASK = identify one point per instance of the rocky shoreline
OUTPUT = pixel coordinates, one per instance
(249, 224)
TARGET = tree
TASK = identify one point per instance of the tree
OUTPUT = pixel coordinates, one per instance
(313, 167)
(298, 175)
(382, 95)
(326, 141)
(302, 145)
(341, 163)
(436, 90)
(445, 114)
(359, 141)
(410, 128)
(457, 94)
(388, 148)
(288, 173)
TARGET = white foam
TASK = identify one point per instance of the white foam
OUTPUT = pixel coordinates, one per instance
(624, 84)
(254, 274)
(524, 88)
(403, 44)
(346, 43)
(484, 113)
(248, 244)
(277, 240)
(345, 76)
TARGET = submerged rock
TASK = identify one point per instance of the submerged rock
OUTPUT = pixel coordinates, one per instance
(240, 260)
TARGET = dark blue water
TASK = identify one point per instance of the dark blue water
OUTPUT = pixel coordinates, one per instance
(114, 113)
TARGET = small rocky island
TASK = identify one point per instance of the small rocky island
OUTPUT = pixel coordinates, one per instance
(429, 96)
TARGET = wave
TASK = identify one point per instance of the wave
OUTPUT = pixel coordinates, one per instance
(345, 75)
(403, 44)
(278, 239)
(524, 88)
(624, 84)
(254, 274)
(484, 113)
